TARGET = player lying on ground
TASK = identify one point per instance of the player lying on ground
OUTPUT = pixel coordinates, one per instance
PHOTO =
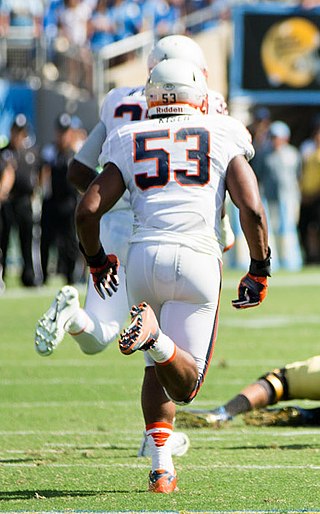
(295, 381)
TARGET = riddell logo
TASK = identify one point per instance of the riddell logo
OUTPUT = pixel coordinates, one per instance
(169, 109)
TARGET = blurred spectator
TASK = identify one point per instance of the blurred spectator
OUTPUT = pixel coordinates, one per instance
(21, 13)
(79, 134)
(164, 16)
(309, 4)
(259, 130)
(308, 146)
(101, 28)
(127, 16)
(6, 183)
(17, 211)
(50, 24)
(309, 223)
(59, 202)
(279, 183)
(73, 20)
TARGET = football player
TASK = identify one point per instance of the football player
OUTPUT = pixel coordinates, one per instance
(177, 166)
(296, 381)
(98, 324)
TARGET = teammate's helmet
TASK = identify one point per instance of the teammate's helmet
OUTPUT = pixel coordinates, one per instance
(177, 47)
(176, 87)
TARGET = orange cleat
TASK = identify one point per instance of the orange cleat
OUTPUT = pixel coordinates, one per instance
(161, 481)
(142, 332)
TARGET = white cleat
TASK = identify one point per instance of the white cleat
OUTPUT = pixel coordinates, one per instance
(50, 327)
(197, 418)
(227, 236)
(179, 445)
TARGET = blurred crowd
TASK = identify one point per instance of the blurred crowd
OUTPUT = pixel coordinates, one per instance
(289, 182)
(73, 32)
(37, 202)
(96, 23)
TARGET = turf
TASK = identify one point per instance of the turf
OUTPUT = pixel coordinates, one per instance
(71, 424)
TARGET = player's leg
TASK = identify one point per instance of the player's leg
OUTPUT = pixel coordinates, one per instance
(157, 274)
(267, 390)
(159, 414)
(102, 320)
(105, 318)
(172, 371)
(99, 323)
(301, 381)
(176, 368)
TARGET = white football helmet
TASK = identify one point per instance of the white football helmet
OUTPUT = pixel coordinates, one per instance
(177, 47)
(174, 87)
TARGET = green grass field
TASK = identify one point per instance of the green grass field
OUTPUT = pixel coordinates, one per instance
(71, 424)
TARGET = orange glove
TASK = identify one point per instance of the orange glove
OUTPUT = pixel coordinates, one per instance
(253, 286)
(252, 291)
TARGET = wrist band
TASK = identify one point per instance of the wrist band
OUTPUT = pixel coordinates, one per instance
(261, 268)
(94, 261)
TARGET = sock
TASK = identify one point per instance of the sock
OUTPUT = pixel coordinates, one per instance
(238, 405)
(158, 435)
(91, 335)
(164, 350)
(79, 322)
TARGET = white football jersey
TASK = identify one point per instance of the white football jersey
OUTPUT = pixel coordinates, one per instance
(121, 105)
(174, 169)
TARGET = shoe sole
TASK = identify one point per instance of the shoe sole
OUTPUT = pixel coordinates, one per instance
(48, 334)
(129, 338)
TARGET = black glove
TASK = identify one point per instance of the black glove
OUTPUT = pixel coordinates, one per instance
(253, 286)
(104, 271)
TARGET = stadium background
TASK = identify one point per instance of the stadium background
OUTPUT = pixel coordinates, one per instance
(31, 84)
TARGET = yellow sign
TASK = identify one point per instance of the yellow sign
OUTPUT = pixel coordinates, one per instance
(290, 53)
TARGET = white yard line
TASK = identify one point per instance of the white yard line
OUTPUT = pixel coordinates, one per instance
(101, 404)
(87, 362)
(270, 321)
(195, 467)
(69, 511)
(196, 434)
